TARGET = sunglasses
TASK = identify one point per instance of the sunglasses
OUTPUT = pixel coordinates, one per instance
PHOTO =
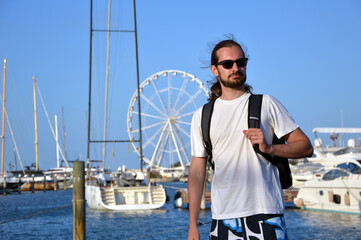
(228, 64)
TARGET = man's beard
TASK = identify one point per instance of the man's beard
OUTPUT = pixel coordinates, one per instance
(235, 83)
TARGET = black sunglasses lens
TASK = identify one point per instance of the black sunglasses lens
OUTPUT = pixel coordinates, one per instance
(242, 62)
(228, 64)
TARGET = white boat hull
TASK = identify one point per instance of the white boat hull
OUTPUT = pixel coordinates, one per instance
(340, 195)
(125, 198)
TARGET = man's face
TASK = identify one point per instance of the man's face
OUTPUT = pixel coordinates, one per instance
(234, 77)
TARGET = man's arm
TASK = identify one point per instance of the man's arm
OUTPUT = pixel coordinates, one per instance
(298, 145)
(196, 177)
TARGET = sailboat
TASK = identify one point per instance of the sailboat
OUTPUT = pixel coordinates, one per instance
(7, 181)
(123, 190)
(35, 180)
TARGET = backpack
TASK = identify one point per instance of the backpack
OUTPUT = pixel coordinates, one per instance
(254, 117)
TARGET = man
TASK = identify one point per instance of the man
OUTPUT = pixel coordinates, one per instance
(247, 197)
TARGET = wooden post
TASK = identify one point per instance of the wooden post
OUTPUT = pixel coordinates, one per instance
(4, 185)
(55, 183)
(19, 183)
(65, 186)
(44, 184)
(78, 201)
(32, 185)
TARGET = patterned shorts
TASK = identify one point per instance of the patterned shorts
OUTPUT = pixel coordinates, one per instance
(256, 227)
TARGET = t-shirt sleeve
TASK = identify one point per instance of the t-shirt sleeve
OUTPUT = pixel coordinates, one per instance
(281, 121)
(197, 146)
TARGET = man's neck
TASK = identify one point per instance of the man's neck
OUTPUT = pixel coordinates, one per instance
(231, 93)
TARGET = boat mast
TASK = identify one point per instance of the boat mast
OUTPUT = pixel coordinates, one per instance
(138, 88)
(90, 86)
(57, 141)
(106, 85)
(64, 132)
(3, 124)
(36, 130)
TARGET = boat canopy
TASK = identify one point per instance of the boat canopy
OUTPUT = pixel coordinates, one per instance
(336, 130)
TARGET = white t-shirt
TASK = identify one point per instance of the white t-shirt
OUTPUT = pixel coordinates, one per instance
(244, 183)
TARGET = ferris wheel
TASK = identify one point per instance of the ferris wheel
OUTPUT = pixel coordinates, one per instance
(168, 100)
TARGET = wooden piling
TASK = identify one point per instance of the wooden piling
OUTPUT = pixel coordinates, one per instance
(55, 183)
(44, 190)
(4, 185)
(19, 183)
(65, 187)
(78, 201)
(32, 185)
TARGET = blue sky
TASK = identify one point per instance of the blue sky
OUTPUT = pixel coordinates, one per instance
(305, 53)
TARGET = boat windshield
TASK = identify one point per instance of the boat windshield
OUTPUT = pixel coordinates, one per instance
(348, 150)
(333, 174)
(350, 167)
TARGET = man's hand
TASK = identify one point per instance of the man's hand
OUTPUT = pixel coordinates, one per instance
(298, 145)
(193, 233)
(256, 136)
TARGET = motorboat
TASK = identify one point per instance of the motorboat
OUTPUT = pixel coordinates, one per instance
(334, 188)
(327, 155)
(62, 177)
(123, 191)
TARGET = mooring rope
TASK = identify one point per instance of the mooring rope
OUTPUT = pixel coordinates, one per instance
(167, 231)
(35, 214)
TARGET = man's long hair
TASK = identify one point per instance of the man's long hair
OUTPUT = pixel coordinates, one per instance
(216, 90)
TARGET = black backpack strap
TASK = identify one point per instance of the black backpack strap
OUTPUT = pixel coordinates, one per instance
(206, 126)
(254, 110)
(254, 120)
(254, 116)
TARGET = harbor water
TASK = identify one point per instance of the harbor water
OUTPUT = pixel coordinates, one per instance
(48, 215)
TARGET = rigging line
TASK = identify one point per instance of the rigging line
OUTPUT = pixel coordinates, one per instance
(98, 111)
(12, 135)
(106, 83)
(35, 214)
(23, 115)
(51, 126)
(64, 133)
(167, 231)
(120, 31)
(113, 72)
(348, 188)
